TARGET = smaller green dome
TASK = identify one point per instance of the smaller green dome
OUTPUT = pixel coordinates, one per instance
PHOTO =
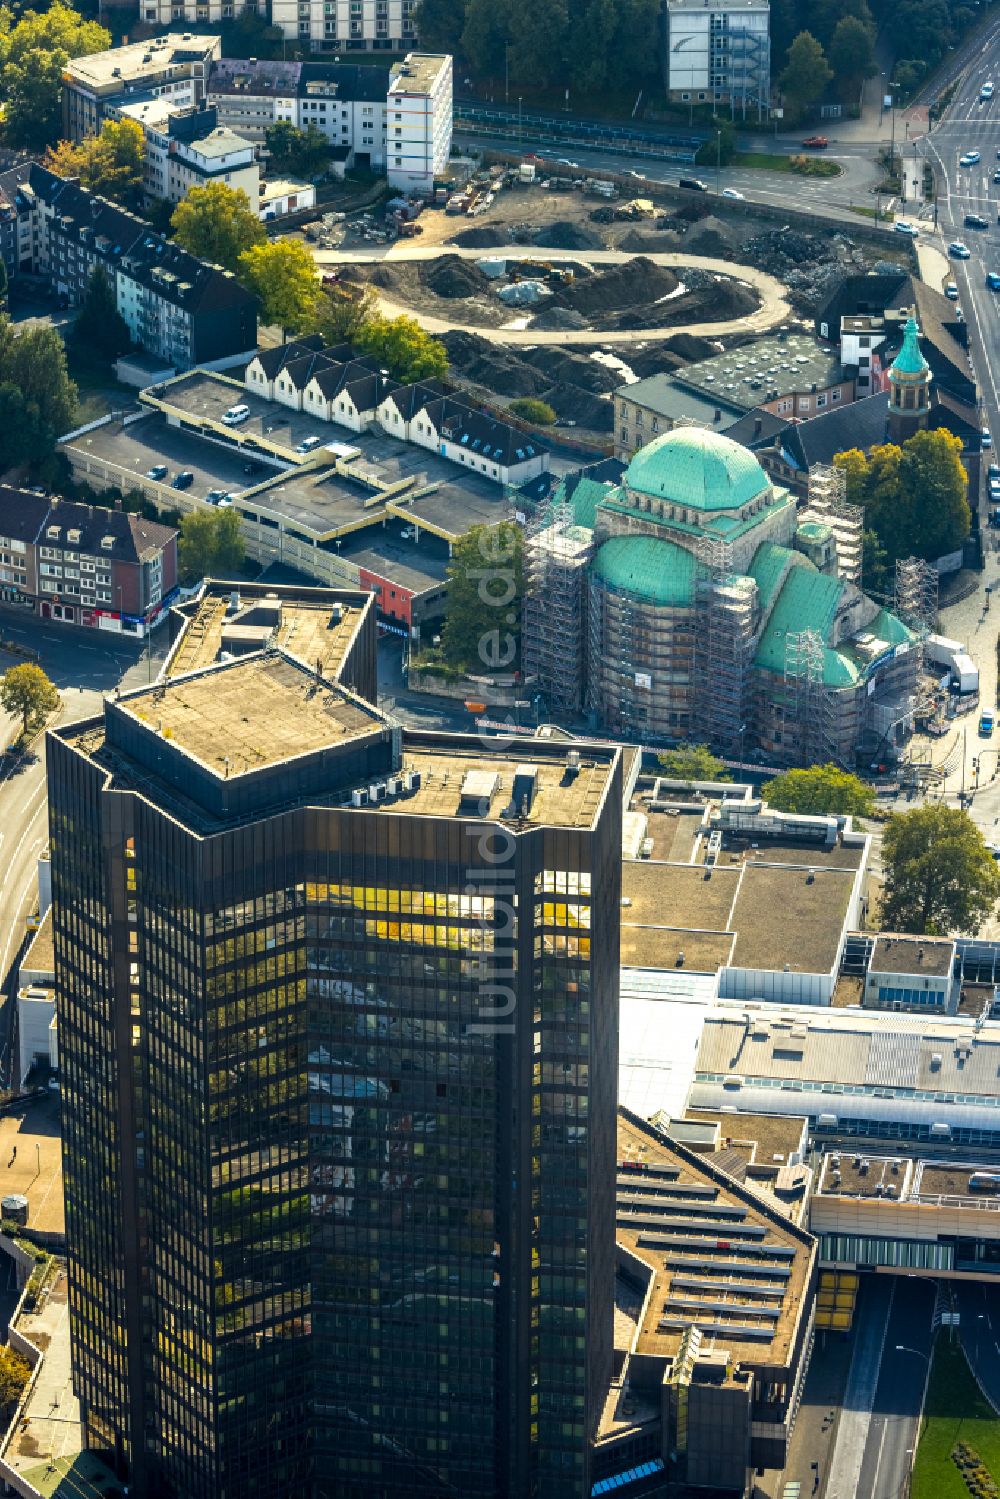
(656, 571)
(698, 469)
(909, 364)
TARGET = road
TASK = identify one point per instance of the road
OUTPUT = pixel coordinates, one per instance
(84, 668)
(899, 1394)
(979, 1306)
(773, 309)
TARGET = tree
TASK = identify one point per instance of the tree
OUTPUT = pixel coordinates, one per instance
(305, 152)
(15, 1372)
(26, 692)
(485, 588)
(217, 223)
(282, 276)
(33, 54)
(100, 333)
(403, 348)
(914, 496)
(806, 75)
(530, 410)
(720, 148)
(822, 789)
(439, 24)
(692, 762)
(851, 53)
(940, 877)
(3, 282)
(210, 544)
(37, 397)
(343, 311)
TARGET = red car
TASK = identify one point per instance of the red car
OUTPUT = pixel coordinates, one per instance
(817, 142)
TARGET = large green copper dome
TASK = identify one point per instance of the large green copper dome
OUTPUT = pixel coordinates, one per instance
(700, 469)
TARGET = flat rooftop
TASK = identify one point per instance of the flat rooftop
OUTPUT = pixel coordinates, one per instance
(756, 371)
(386, 552)
(306, 629)
(910, 955)
(934, 1179)
(768, 1139)
(241, 715)
(418, 72)
(791, 919)
(138, 60)
(40, 955)
(725, 1261)
(31, 1161)
(556, 803)
(856, 1174)
(677, 895)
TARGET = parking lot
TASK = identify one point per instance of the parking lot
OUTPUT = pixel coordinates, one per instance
(137, 448)
(203, 397)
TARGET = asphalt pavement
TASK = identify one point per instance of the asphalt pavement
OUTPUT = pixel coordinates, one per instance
(979, 1330)
(899, 1395)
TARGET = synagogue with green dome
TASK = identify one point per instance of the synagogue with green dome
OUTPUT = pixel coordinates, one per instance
(696, 605)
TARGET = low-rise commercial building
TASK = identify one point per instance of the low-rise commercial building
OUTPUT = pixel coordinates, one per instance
(719, 51)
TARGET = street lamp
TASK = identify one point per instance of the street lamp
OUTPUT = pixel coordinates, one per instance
(520, 101)
(903, 1348)
(718, 160)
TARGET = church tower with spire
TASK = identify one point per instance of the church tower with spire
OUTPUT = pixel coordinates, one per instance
(909, 387)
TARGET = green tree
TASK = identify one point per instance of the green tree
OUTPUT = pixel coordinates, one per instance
(720, 148)
(100, 333)
(806, 74)
(37, 397)
(3, 283)
(33, 54)
(822, 789)
(210, 544)
(485, 588)
(485, 33)
(343, 311)
(914, 496)
(15, 1372)
(217, 223)
(27, 693)
(692, 762)
(439, 24)
(634, 59)
(589, 41)
(824, 16)
(403, 348)
(851, 53)
(282, 276)
(304, 152)
(940, 878)
(530, 410)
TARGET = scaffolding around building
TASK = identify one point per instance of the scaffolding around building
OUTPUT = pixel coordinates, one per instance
(724, 624)
(826, 503)
(916, 593)
(809, 717)
(554, 623)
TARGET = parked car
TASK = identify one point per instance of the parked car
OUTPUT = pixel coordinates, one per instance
(158, 471)
(183, 479)
(993, 472)
(235, 415)
(816, 142)
(903, 226)
(309, 444)
(959, 251)
(219, 497)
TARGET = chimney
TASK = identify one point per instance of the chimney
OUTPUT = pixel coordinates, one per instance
(758, 426)
(717, 415)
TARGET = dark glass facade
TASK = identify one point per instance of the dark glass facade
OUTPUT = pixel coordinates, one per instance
(339, 1111)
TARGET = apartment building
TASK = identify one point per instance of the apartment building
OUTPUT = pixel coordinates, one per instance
(85, 564)
(339, 1132)
(173, 67)
(348, 25)
(719, 52)
(177, 308)
(418, 121)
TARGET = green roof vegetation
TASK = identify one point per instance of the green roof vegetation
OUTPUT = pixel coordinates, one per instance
(657, 572)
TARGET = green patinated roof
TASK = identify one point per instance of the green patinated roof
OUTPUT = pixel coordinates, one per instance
(890, 629)
(587, 495)
(659, 572)
(768, 566)
(813, 530)
(909, 361)
(700, 469)
(726, 527)
(807, 601)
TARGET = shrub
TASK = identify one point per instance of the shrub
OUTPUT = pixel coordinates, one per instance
(530, 410)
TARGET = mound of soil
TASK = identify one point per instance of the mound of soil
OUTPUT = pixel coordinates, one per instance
(581, 407)
(565, 367)
(634, 284)
(453, 277)
(555, 319)
(479, 237)
(710, 236)
(689, 347)
(493, 367)
(641, 241)
(564, 235)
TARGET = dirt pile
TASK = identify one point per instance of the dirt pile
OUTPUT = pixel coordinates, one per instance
(564, 235)
(710, 236)
(480, 237)
(556, 319)
(453, 277)
(572, 384)
(636, 283)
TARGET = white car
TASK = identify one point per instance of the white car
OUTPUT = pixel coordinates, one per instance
(986, 92)
(969, 159)
(309, 444)
(903, 226)
(987, 438)
(730, 192)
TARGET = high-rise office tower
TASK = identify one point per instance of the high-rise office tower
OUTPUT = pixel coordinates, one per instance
(338, 1039)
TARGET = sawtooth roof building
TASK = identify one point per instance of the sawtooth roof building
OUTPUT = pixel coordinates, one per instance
(693, 604)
